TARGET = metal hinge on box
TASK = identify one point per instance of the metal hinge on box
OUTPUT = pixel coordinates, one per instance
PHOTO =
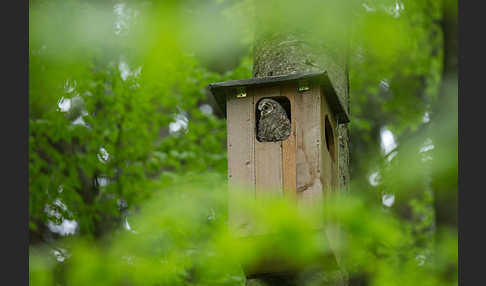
(241, 92)
(303, 85)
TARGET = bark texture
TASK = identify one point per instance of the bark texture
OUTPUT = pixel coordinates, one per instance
(292, 50)
(281, 54)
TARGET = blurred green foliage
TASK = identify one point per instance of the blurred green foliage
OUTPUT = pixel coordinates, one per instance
(181, 238)
(126, 144)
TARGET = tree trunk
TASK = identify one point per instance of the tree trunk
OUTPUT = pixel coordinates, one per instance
(445, 191)
(293, 51)
(287, 50)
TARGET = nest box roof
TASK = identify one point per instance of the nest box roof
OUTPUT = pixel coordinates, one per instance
(222, 89)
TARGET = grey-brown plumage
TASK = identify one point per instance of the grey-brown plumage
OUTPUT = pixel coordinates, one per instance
(274, 124)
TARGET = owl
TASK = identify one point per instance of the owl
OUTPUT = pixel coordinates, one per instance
(274, 124)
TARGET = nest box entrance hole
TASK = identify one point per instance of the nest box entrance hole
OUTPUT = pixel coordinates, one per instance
(329, 137)
(284, 102)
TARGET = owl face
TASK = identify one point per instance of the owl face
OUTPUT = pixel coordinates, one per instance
(266, 106)
(273, 124)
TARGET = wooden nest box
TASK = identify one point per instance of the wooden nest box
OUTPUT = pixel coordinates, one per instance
(304, 165)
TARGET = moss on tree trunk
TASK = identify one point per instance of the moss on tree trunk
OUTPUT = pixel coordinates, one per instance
(281, 54)
(287, 51)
